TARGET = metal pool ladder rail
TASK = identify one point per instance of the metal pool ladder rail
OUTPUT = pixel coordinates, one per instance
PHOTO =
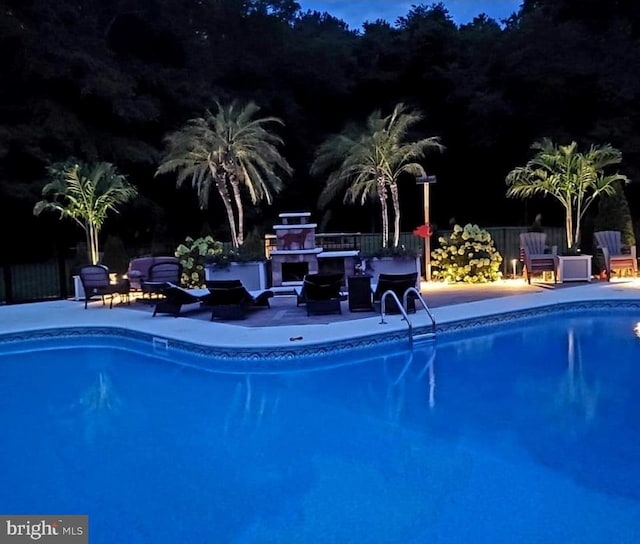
(401, 307)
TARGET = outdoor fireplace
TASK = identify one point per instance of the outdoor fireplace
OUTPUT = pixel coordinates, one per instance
(294, 272)
(295, 254)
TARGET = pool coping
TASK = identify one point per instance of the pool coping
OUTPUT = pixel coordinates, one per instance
(229, 342)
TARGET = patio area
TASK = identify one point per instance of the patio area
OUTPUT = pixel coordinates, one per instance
(284, 310)
(285, 324)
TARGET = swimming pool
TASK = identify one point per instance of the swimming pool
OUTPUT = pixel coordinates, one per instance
(528, 430)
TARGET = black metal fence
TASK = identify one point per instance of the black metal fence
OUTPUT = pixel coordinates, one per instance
(53, 279)
(36, 281)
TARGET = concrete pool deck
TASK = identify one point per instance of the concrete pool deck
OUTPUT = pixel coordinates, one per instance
(286, 324)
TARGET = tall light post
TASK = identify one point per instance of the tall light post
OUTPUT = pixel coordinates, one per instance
(425, 181)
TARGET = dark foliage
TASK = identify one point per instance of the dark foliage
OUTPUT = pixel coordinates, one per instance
(107, 80)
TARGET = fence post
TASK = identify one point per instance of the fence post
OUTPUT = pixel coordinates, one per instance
(8, 284)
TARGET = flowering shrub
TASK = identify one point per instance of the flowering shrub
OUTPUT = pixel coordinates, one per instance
(193, 254)
(466, 255)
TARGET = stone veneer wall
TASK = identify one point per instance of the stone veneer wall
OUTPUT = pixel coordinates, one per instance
(295, 243)
(278, 260)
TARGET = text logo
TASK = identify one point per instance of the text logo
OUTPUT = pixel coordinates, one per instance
(46, 529)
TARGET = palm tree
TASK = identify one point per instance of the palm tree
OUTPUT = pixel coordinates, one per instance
(574, 179)
(85, 193)
(230, 150)
(370, 161)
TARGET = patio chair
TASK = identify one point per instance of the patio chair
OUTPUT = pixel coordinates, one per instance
(160, 274)
(175, 297)
(138, 270)
(398, 283)
(615, 256)
(537, 255)
(96, 283)
(321, 293)
(229, 299)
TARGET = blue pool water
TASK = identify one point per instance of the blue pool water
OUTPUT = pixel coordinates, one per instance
(526, 432)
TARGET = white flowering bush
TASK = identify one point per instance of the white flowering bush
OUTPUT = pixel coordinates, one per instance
(193, 255)
(467, 255)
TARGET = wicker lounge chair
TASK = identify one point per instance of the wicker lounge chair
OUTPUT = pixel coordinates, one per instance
(615, 256)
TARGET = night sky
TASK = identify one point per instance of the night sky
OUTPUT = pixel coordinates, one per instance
(355, 12)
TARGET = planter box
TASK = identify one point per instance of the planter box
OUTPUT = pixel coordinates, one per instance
(392, 265)
(574, 267)
(253, 275)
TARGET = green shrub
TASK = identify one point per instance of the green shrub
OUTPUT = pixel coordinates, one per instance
(193, 255)
(614, 214)
(467, 255)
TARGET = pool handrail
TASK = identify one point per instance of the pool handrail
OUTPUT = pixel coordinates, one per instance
(405, 317)
(405, 298)
(394, 297)
(402, 307)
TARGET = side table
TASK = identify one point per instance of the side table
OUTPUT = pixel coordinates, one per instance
(573, 268)
(359, 291)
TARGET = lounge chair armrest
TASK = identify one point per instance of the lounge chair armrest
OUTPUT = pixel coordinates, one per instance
(629, 250)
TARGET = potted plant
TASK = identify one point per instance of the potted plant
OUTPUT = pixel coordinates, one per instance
(391, 260)
(573, 178)
(247, 264)
(85, 193)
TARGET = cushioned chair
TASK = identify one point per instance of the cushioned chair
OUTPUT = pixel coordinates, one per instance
(537, 256)
(96, 283)
(321, 293)
(398, 283)
(175, 297)
(160, 274)
(138, 270)
(229, 299)
(615, 256)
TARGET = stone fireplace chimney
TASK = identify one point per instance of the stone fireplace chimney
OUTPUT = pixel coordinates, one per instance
(296, 253)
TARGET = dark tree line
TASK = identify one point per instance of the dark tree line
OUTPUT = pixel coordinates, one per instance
(108, 80)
